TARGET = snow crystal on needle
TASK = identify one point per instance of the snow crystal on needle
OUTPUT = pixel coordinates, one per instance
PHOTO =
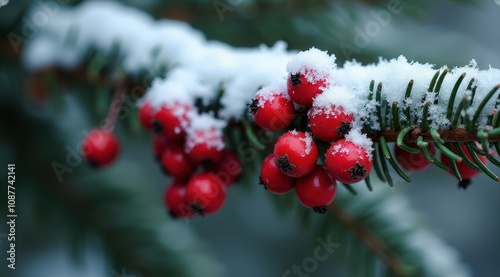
(315, 64)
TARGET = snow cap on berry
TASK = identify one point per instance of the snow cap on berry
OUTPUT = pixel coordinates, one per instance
(339, 96)
(268, 93)
(360, 139)
(315, 64)
(205, 128)
(277, 88)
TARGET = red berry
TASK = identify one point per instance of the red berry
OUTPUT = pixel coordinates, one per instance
(316, 190)
(295, 153)
(228, 169)
(413, 161)
(329, 123)
(205, 145)
(172, 120)
(205, 193)
(175, 200)
(273, 179)
(303, 87)
(160, 142)
(347, 162)
(100, 148)
(465, 171)
(273, 111)
(176, 163)
(146, 114)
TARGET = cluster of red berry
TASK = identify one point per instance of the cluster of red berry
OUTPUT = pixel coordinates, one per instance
(201, 168)
(294, 161)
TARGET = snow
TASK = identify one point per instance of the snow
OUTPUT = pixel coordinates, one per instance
(338, 96)
(205, 122)
(199, 69)
(308, 140)
(361, 140)
(269, 93)
(315, 64)
(205, 129)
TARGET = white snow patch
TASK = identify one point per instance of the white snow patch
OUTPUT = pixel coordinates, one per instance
(206, 129)
(308, 140)
(316, 65)
(361, 140)
(199, 68)
(338, 96)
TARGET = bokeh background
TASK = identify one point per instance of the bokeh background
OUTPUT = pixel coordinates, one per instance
(57, 235)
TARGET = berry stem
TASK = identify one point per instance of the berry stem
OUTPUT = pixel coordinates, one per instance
(251, 135)
(115, 106)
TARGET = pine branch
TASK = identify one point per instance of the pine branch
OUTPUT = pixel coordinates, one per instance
(384, 222)
(369, 239)
(457, 135)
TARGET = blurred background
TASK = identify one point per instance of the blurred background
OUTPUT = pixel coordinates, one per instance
(111, 222)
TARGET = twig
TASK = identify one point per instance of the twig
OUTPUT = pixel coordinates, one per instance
(457, 135)
(368, 238)
(115, 106)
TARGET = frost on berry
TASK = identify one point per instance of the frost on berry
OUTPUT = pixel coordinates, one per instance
(358, 171)
(284, 164)
(308, 140)
(314, 64)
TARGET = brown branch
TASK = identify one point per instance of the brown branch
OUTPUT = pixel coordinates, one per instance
(457, 135)
(369, 239)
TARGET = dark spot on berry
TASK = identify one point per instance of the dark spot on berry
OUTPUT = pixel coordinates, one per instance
(295, 79)
(197, 209)
(284, 164)
(253, 106)
(344, 128)
(207, 163)
(357, 171)
(464, 184)
(157, 126)
(172, 214)
(261, 183)
(320, 210)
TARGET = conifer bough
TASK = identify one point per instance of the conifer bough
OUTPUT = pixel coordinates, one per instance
(391, 101)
